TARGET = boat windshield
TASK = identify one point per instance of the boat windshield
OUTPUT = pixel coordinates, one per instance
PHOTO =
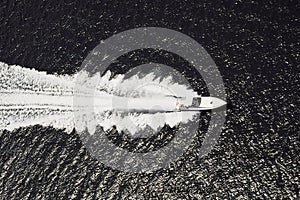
(196, 101)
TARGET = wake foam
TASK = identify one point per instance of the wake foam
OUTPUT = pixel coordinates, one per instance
(30, 97)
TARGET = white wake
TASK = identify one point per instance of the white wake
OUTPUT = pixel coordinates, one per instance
(30, 97)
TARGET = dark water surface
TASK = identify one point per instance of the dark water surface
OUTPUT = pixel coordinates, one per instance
(255, 45)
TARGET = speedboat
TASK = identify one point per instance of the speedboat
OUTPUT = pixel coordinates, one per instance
(201, 103)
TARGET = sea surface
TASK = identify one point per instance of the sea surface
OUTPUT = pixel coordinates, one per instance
(256, 48)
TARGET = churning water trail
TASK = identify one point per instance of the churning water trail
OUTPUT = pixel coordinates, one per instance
(30, 97)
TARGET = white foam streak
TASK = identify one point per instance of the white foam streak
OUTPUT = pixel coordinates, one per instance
(30, 97)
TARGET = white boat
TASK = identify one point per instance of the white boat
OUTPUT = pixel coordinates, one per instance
(201, 103)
